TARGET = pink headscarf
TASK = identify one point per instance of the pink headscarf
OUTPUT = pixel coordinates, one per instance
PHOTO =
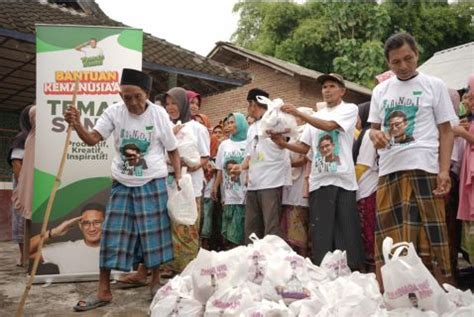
(191, 95)
(23, 193)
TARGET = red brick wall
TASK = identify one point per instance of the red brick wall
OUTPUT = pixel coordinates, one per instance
(296, 90)
(275, 83)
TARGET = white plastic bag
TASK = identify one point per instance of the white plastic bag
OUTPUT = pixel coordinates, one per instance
(335, 264)
(229, 302)
(182, 207)
(187, 147)
(407, 282)
(178, 286)
(286, 278)
(268, 309)
(217, 270)
(178, 306)
(276, 120)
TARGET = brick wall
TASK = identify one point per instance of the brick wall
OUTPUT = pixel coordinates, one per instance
(296, 90)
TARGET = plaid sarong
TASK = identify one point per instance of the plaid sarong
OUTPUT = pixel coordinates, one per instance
(136, 227)
(408, 211)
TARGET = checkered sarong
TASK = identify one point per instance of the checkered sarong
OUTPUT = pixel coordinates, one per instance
(408, 211)
(136, 227)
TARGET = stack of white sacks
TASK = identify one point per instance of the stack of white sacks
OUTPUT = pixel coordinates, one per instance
(267, 278)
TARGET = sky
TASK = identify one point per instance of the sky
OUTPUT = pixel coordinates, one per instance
(194, 25)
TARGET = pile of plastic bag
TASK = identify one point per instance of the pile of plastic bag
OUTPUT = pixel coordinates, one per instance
(267, 278)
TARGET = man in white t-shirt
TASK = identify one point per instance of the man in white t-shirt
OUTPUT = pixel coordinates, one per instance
(410, 115)
(269, 169)
(90, 48)
(136, 226)
(334, 220)
(80, 256)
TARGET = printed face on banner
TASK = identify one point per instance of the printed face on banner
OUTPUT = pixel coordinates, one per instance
(326, 158)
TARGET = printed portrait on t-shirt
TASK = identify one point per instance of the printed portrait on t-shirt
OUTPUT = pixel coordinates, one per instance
(326, 158)
(399, 123)
(230, 159)
(133, 153)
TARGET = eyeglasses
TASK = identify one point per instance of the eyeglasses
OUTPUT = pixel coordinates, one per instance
(87, 224)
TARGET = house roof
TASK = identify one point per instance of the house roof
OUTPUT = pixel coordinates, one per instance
(452, 65)
(278, 64)
(18, 53)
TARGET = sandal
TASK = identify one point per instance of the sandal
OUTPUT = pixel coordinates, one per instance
(129, 282)
(91, 302)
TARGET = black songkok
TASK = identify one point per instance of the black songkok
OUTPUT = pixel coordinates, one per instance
(136, 78)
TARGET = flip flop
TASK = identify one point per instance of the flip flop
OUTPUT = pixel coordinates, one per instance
(127, 285)
(91, 302)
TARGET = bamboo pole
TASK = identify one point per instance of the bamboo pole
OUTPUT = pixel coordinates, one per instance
(57, 181)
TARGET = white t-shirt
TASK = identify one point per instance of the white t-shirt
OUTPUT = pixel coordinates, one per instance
(149, 134)
(270, 166)
(203, 143)
(72, 257)
(413, 109)
(367, 157)
(92, 51)
(231, 152)
(332, 162)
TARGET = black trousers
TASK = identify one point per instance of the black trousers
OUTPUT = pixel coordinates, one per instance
(335, 224)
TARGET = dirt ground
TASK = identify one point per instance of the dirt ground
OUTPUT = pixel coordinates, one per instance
(58, 299)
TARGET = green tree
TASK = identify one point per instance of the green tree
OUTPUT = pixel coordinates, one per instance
(347, 37)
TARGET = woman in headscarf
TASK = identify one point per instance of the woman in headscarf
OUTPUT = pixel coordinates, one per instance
(230, 153)
(186, 238)
(194, 100)
(15, 160)
(295, 217)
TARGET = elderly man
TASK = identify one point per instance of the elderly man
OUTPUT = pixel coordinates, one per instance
(414, 164)
(334, 220)
(136, 222)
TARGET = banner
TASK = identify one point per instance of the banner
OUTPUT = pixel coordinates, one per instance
(94, 56)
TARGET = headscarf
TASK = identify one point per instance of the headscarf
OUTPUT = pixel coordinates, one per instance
(179, 96)
(191, 95)
(241, 127)
(205, 119)
(23, 193)
(364, 109)
(215, 141)
(20, 139)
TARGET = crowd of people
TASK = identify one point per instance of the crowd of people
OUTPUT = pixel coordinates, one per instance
(398, 166)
